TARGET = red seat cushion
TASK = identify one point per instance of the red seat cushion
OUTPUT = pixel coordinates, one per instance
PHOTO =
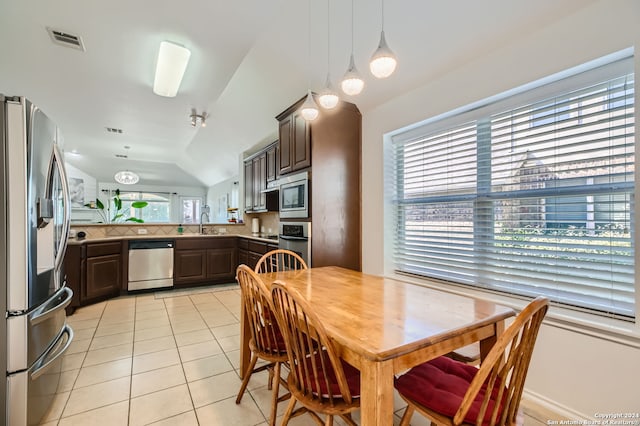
(440, 385)
(269, 334)
(351, 373)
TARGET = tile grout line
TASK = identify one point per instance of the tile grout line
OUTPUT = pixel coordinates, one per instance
(195, 413)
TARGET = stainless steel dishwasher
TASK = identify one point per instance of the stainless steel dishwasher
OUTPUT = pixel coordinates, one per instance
(150, 264)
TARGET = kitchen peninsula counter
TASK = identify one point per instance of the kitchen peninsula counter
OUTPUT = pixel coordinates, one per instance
(77, 241)
(97, 267)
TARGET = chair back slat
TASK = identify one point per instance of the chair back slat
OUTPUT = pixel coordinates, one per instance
(280, 260)
(265, 332)
(316, 370)
(502, 374)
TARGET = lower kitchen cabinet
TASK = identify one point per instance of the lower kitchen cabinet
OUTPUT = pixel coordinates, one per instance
(250, 251)
(103, 276)
(221, 264)
(189, 266)
(201, 260)
(103, 271)
(94, 271)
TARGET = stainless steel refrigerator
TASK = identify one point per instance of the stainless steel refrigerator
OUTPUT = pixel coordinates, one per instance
(34, 227)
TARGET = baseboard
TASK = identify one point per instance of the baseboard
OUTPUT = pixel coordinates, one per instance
(546, 411)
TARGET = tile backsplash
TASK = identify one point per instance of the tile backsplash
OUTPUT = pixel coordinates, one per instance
(268, 223)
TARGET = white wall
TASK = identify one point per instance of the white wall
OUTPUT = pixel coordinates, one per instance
(577, 370)
(89, 187)
(220, 195)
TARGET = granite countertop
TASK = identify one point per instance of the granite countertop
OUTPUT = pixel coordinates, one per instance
(260, 237)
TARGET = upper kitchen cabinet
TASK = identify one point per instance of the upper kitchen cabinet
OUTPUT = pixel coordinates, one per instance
(295, 141)
(330, 146)
(259, 169)
(273, 163)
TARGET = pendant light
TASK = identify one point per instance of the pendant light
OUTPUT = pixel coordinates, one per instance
(383, 62)
(328, 98)
(309, 109)
(352, 84)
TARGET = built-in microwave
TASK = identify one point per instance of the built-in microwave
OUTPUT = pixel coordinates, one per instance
(294, 196)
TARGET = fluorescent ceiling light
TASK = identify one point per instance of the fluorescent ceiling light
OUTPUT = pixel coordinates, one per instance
(172, 62)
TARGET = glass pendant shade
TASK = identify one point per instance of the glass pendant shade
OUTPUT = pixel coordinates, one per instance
(328, 99)
(309, 109)
(383, 62)
(352, 84)
(126, 177)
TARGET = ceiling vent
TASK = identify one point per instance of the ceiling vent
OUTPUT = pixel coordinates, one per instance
(66, 39)
(113, 130)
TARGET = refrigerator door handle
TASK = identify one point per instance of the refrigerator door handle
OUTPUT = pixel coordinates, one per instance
(52, 354)
(57, 161)
(47, 310)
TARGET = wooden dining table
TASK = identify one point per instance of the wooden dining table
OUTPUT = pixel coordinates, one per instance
(384, 326)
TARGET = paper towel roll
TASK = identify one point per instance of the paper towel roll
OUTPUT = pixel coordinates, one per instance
(255, 225)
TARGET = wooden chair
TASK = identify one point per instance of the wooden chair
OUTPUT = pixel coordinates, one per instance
(319, 380)
(266, 340)
(450, 392)
(280, 260)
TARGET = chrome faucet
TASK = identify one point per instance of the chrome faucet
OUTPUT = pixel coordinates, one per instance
(203, 212)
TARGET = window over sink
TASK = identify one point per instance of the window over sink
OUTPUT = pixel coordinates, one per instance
(158, 209)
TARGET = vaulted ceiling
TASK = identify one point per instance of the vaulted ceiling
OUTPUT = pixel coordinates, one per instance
(250, 60)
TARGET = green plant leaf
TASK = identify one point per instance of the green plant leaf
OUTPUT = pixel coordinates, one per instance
(99, 204)
(116, 217)
(134, 219)
(118, 203)
(139, 204)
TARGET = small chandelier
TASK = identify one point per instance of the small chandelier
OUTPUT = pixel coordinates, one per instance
(195, 117)
(126, 177)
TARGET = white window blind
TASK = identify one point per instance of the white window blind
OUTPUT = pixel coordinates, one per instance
(536, 198)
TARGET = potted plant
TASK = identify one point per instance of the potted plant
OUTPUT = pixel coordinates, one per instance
(119, 214)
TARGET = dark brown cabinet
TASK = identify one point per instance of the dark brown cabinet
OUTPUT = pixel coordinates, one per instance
(221, 263)
(272, 163)
(205, 260)
(295, 142)
(259, 169)
(250, 251)
(103, 276)
(331, 147)
(259, 181)
(189, 266)
(248, 186)
(243, 251)
(75, 263)
(104, 270)
(94, 271)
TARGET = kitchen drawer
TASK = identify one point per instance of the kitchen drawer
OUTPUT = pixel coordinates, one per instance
(103, 249)
(257, 247)
(205, 243)
(243, 243)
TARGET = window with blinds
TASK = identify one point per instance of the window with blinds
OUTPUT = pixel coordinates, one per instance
(532, 194)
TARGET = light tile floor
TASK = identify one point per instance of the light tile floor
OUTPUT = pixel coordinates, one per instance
(164, 358)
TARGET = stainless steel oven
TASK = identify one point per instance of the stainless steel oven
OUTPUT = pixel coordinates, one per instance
(294, 196)
(296, 236)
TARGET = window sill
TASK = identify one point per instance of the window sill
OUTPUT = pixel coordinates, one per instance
(611, 329)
